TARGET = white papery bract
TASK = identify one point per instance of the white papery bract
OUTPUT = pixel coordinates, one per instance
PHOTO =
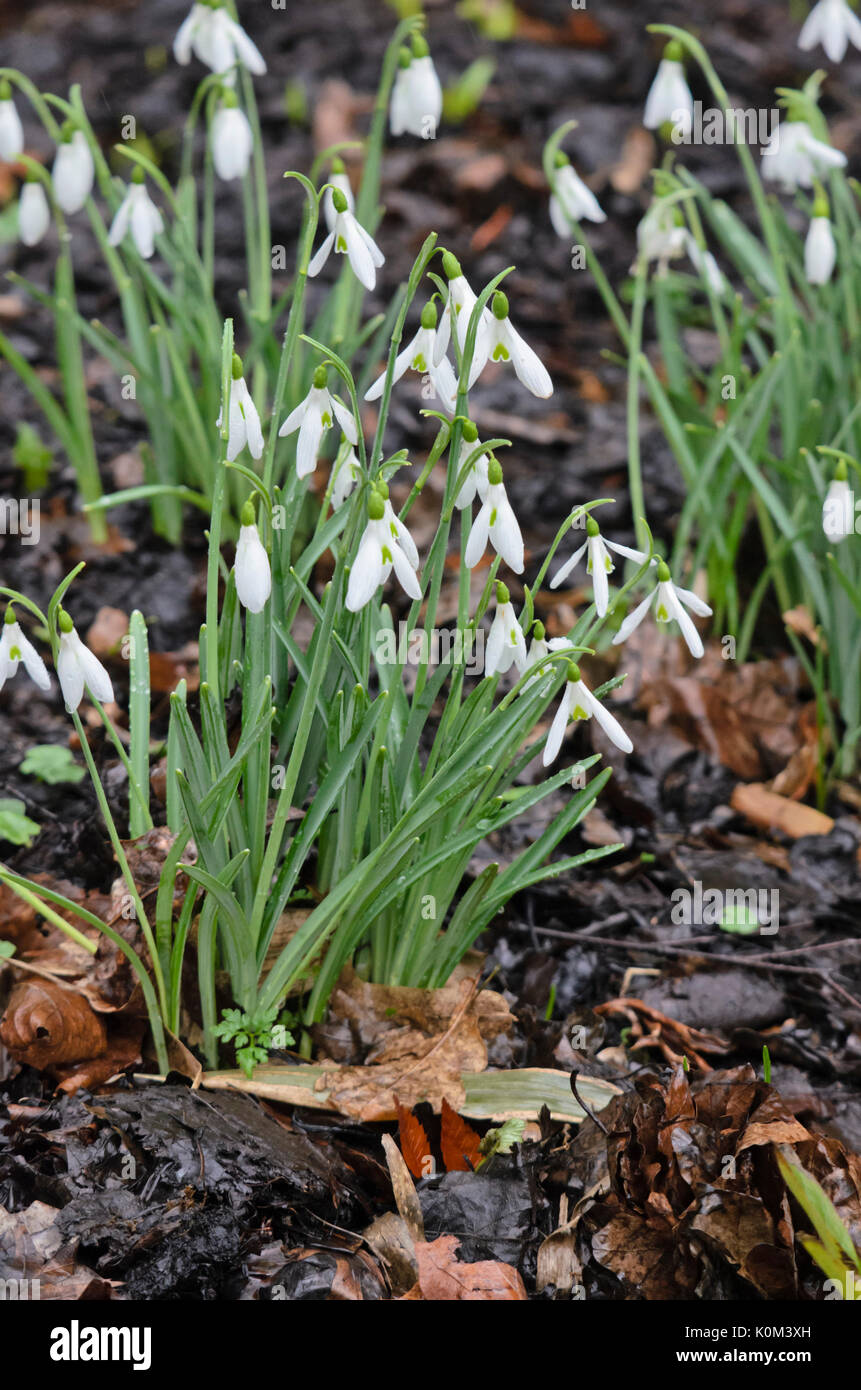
(11, 129)
(669, 100)
(476, 480)
(598, 563)
(506, 645)
(838, 511)
(794, 157)
(502, 343)
(34, 214)
(571, 201)
(16, 649)
(73, 171)
(77, 667)
(251, 567)
(421, 356)
(578, 702)
(243, 419)
(312, 417)
(820, 252)
(349, 238)
(381, 550)
(832, 24)
(670, 602)
(137, 213)
(416, 104)
(231, 140)
(497, 523)
(213, 36)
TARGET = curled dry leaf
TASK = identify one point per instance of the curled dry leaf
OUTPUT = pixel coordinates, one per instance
(45, 1024)
(443, 1279)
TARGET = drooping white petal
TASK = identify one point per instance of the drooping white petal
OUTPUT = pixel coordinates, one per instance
(34, 214)
(368, 571)
(231, 142)
(70, 676)
(832, 24)
(308, 444)
(477, 542)
(295, 418)
(569, 565)
(529, 368)
(558, 727)
(245, 50)
(669, 98)
(403, 360)
(251, 570)
(838, 519)
(358, 253)
(820, 252)
(147, 222)
(346, 420)
(503, 528)
(406, 574)
(122, 219)
(667, 599)
(611, 726)
(597, 567)
(77, 666)
(11, 131)
(73, 173)
(33, 663)
(633, 620)
(572, 201)
(184, 41)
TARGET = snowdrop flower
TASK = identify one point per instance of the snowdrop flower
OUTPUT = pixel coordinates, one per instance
(669, 98)
(398, 530)
(571, 201)
(73, 170)
(662, 235)
(505, 641)
(502, 343)
(15, 648)
(346, 472)
(704, 262)
(794, 157)
(339, 180)
(495, 522)
(379, 552)
(230, 138)
(669, 601)
(349, 238)
(833, 24)
(820, 253)
(216, 39)
(598, 563)
(251, 566)
(420, 356)
(243, 419)
(77, 666)
(476, 479)
(578, 702)
(11, 129)
(838, 509)
(312, 417)
(34, 215)
(540, 648)
(417, 95)
(459, 305)
(138, 213)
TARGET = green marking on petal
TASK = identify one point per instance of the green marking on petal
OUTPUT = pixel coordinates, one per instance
(15, 653)
(661, 614)
(387, 556)
(578, 712)
(340, 245)
(500, 353)
(493, 517)
(326, 420)
(419, 364)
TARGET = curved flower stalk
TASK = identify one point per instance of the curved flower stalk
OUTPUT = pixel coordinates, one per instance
(416, 105)
(137, 214)
(349, 238)
(15, 650)
(670, 603)
(820, 251)
(598, 563)
(795, 158)
(669, 100)
(459, 304)
(381, 550)
(209, 32)
(571, 201)
(506, 645)
(231, 139)
(251, 567)
(11, 129)
(312, 417)
(832, 24)
(497, 523)
(243, 419)
(79, 668)
(421, 356)
(662, 236)
(34, 214)
(73, 170)
(502, 343)
(578, 702)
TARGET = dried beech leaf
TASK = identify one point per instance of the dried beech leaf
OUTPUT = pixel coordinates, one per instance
(461, 1146)
(44, 1024)
(414, 1142)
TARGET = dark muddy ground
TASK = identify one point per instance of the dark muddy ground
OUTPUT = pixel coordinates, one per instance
(201, 1216)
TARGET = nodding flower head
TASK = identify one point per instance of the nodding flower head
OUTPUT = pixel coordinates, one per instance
(16, 649)
(251, 568)
(78, 667)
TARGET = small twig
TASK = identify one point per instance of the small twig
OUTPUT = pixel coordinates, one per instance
(586, 1108)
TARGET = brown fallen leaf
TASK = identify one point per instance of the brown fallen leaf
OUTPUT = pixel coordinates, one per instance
(459, 1143)
(45, 1023)
(107, 630)
(772, 812)
(444, 1279)
(414, 1143)
(675, 1040)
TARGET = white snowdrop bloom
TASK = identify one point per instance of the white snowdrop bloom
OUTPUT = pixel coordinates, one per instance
(349, 238)
(704, 262)
(416, 104)
(213, 36)
(73, 170)
(794, 157)
(820, 252)
(339, 180)
(670, 602)
(506, 644)
(497, 523)
(540, 648)
(838, 509)
(419, 354)
(11, 129)
(502, 343)
(459, 304)
(251, 566)
(34, 214)
(14, 649)
(312, 417)
(832, 24)
(380, 551)
(661, 234)
(571, 201)
(578, 702)
(137, 213)
(476, 480)
(669, 100)
(77, 666)
(347, 472)
(243, 419)
(230, 139)
(598, 563)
